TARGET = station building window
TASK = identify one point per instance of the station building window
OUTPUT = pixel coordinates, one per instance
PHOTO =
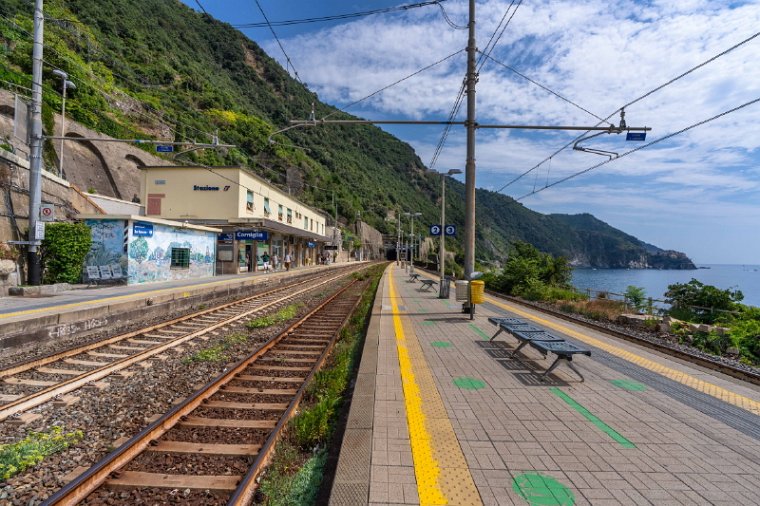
(305, 223)
(279, 212)
(249, 201)
(267, 209)
(290, 215)
(180, 258)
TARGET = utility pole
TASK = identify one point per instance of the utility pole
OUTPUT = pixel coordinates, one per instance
(469, 182)
(35, 148)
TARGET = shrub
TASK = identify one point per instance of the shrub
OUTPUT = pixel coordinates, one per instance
(635, 295)
(695, 301)
(63, 251)
(30, 451)
(313, 425)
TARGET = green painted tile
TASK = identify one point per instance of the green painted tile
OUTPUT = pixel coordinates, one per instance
(479, 332)
(542, 490)
(633, 386)
(588, 415)
(441, 344)
(466, 383)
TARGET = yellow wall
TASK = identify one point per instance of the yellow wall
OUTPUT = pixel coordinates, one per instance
(181, 201)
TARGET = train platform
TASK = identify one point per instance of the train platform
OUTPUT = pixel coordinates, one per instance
(82, 311)
(442, 415)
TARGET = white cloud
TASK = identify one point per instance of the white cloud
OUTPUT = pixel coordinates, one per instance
(597, 53)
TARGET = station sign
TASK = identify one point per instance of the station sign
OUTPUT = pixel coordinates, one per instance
(251, 235)
(435, 230)
(164, 148)
(142, 229)
(311, 244)
(636, 136)
(39, 231)
(224, 237)
(330, 248)
(450, 230)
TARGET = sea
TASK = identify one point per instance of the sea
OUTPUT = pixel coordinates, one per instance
(655, 282)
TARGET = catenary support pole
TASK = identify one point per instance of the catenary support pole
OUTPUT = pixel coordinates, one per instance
(35, 148)
(469, 222)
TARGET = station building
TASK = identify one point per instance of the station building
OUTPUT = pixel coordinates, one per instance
(255, 217)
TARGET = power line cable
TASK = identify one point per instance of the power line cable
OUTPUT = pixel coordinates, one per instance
(489, 51)
(647, 94)
(271, 29)
(201, 7)
(545, 88)
(493, 35)
(399, 81)
(448, 19)
(337, 17)
(656, 141)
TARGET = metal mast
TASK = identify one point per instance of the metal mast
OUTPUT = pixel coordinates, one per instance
(469, 182)
(35, 148)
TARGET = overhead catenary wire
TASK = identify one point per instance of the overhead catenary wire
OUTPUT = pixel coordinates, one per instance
(634, 101)
(643, 146)
(546, 88)
(201, 7)
(288, 61)
(337, 17)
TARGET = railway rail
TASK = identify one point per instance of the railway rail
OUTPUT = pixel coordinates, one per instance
(213, 446)
(708, 362)
(33, 383)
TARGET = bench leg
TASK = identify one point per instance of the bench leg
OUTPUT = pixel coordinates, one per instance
(496, 334)
(552, 367)
(571, 366)
(519, 347)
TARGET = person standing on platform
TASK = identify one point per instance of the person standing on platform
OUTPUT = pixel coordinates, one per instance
(265, 259)
(288, 259)
(275, 262)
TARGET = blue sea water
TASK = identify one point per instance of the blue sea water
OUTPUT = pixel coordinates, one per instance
(655, 282)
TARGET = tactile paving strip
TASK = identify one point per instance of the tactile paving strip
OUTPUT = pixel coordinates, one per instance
(439, 464)
(697, 384)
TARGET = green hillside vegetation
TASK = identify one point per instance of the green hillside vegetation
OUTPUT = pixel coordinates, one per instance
(156, 68)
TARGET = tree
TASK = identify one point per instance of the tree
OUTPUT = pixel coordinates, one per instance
(635, 295)
(527, 267)
(702, 303)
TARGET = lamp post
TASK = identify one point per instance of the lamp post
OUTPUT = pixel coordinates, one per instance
(65, 85)
(412, 216)
(442, 251)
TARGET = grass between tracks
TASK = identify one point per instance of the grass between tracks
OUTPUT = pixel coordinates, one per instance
(280, 316)
(297, 468)
(217, 352)
(30, 451)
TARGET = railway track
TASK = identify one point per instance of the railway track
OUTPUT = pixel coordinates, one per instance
(30, 384)
(212, 447)
(708, 362)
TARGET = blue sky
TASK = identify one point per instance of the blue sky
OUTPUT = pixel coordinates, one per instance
(698, 192)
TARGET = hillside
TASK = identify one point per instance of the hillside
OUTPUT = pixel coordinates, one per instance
(157, 68)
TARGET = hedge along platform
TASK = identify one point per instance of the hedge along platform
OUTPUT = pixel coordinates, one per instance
(559, 441)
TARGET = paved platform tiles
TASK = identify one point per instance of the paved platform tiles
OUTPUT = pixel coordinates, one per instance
(642, 429)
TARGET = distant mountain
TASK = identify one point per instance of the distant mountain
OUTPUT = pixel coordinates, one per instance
(156, 68)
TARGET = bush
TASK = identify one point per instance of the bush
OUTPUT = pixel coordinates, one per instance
(697, 302)
(30, 451)
(63, 251)
(635, 295)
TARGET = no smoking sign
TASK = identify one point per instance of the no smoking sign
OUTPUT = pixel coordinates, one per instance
(47, 212)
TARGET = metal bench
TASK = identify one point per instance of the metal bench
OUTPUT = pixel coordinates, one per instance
(427, 284)
(540, 340)
(564, 351)
(413, 277)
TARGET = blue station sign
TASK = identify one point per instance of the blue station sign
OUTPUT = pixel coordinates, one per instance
(164, 148)
(251, 235)
(142, 229)
(223, 237)
(636, 136)
(450, 230)
(435, 230)
(311, 244)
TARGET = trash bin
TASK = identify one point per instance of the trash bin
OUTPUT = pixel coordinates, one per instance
(445, 288)
(478, 291)
(462, 290)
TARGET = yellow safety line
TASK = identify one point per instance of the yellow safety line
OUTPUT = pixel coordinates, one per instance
(427, 469)
(137, 295)
(699, 385)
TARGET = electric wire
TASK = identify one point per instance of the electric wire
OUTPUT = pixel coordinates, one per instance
(643, 146)
(481, 60)
(201, 7)
(399, 81)
(337, 17)
(279, 43)
(634, 101)
(448, 19)
(163, 118)
(545, 88)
